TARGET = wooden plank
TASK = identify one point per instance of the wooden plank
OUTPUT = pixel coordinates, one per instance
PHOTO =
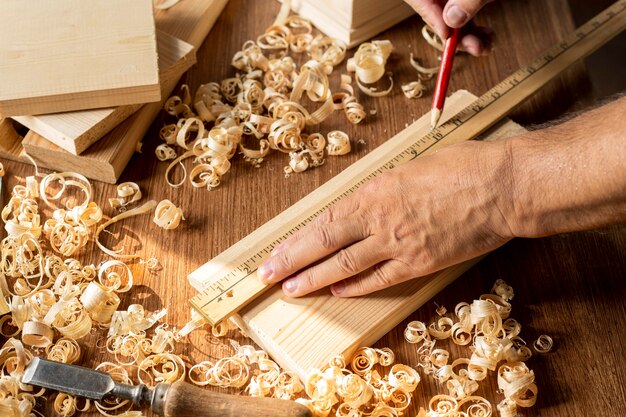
(189, 20)
(290, 329)
(70, 55)
(76, 131)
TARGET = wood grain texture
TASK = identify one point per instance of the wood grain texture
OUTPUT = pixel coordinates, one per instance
(72, 55)
(76, 131)
(105, 160)
(569, 286)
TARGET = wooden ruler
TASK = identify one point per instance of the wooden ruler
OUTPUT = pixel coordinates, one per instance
(229, 282)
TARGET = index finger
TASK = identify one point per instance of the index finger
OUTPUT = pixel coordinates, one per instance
(431, 12)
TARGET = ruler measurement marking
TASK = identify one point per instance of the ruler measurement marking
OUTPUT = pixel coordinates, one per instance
(414, 150)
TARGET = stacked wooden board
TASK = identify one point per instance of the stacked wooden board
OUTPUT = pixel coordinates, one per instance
(353, 21)
(66, 55)
(188, 22)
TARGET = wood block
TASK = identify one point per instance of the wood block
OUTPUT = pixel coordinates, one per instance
(306, 332)
(65, 55)
(76, 131)
(353, 21)
(189, 20)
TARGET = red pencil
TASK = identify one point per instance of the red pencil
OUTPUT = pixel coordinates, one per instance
(439, 95)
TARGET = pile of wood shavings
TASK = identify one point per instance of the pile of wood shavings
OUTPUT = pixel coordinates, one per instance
(49, 300)
(493, 338)
(269, 104)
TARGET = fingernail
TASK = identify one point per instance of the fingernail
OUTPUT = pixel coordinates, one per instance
(456, 16)
(290, 286)
(339, 287)
(265, 272)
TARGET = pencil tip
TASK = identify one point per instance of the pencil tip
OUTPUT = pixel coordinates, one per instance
(435, 114)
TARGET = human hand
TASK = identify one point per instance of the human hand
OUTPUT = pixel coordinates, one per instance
(476, 40)
(418, 218)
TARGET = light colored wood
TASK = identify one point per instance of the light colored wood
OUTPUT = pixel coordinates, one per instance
(290, 329)
(353, 21)
(76, 131)
(10, 141)
(65, 55)
(189, 20)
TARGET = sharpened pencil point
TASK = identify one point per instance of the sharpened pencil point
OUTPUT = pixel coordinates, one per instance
(435, 114)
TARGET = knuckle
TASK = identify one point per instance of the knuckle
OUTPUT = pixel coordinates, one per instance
(346, 262)
(284, 261)
(324, 236)
(308, 280)
(382, 279)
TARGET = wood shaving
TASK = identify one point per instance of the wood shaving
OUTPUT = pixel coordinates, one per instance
(167, 215)
(432, 38)
(424, 73)
(147, 207)
(414, 89)
(543, 344)
(338, 143)
(368, 64)
(127, 193)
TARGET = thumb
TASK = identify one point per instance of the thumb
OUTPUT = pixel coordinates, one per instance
(458, 12)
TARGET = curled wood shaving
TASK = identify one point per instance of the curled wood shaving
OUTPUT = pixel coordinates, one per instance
(424, 73)
(147, 207)
(65, 180)
(432, 38)
(165, 152)
(414, 89)
(133, 320)
(37, 334)
(65, 350)
(338, 143)
(161, 368)
(127, 193)
(167, 215)
(543, 344)
(368, 64)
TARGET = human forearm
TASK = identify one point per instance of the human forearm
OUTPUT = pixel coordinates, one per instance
(571, 176)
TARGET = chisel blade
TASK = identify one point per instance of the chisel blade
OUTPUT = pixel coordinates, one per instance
(74, 380)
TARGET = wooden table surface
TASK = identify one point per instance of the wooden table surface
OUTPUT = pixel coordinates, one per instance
(570, 287)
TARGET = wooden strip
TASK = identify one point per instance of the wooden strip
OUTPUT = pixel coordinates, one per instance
(189, 20)
(76, 131)
(304, 333)
(95, 54)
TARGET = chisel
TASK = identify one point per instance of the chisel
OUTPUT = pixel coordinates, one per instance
(176, 400)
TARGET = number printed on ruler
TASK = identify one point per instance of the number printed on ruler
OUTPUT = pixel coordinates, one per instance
(233, 288)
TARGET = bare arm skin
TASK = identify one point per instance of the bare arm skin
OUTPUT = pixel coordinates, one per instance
(442, 15)
(459, 203)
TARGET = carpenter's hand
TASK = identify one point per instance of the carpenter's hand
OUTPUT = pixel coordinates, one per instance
(442, 14)
(421, 217)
